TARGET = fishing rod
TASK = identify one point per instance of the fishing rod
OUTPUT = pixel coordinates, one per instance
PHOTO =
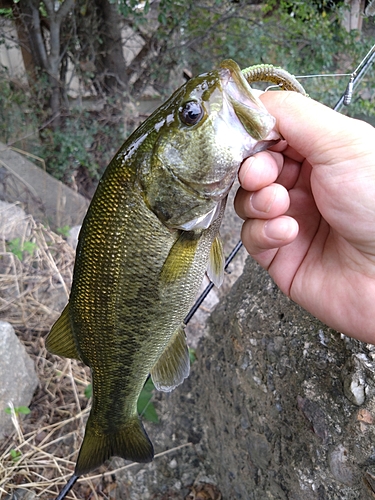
(69, 485)
(345, 99)
(210, 286)
(355, 78)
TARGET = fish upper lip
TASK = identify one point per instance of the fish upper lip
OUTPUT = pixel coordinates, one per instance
(244, 101)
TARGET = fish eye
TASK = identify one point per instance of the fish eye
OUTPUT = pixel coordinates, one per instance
(191, 113)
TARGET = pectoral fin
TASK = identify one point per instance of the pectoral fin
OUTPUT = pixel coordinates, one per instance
(60, 339)
(180, 257)
(173, 366)
(216, 262)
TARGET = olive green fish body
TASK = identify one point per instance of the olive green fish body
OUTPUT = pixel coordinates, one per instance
(123, 316)
(149, 235)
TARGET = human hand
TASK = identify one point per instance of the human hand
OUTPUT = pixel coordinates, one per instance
(309, 210)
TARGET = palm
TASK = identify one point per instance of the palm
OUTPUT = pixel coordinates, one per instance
(321, 269)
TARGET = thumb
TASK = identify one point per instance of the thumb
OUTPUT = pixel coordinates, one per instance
(315, 131)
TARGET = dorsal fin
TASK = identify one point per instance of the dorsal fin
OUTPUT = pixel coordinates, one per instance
(173, 366)
(216, 262)
(60, 339)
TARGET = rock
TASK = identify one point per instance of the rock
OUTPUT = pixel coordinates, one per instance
(44, 197)
(13, 222)
(286, 404)
(73, 236)
(18, 379)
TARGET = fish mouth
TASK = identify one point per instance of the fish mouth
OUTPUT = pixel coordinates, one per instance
(249, 110)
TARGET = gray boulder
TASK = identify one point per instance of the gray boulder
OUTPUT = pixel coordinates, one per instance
(44, 197)
(288, 404)
(13, 222)
(18, 379)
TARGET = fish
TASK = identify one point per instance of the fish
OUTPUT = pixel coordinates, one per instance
(150, 234)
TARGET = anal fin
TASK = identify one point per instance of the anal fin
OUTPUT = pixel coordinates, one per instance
(60, 339)
(216, 262)
(173, 366)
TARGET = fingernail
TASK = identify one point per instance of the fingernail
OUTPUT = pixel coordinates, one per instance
(258, 201)
(278, 229)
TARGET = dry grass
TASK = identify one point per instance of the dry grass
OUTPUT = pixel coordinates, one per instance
(34, 288)
(35, 274)
(35, 278)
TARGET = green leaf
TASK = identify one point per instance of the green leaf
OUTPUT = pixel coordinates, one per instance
(15, 246)
(23, 409)
(6, 12)
(192, 355)
(149, 386)
(150, 414)
(29, 247)
(162, 18)
(144, 405)
(64, 231)
(88, 391)
(15, 455)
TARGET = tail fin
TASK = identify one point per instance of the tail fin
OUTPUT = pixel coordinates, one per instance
(130, 442)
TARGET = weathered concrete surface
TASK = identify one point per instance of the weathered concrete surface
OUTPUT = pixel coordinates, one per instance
(18, 379)
(289, 404)
(45, 198)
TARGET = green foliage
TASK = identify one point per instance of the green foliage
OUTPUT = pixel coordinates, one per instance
(302, 37)
(6, 12)
(15, 455)
(134, 9)
(192, 355)
(18, 248)
(65, 149)
(15, 117)
(19, 410)
(144, 406)
(88, 391)
(64, 231)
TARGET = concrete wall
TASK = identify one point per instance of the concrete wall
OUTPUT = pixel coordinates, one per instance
(44, 197)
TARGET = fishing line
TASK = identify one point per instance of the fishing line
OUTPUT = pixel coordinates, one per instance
(355, 79)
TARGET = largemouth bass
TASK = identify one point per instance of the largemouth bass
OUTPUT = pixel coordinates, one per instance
(150, 234)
